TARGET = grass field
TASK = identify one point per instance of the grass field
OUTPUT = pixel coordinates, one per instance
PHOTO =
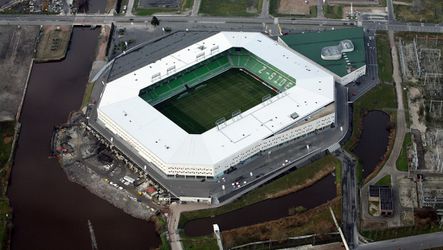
(384, 59)
(333, 11)
(402, 160)
(430, 11)
(231, 7)
(198, 110)
(385, 181)
(199, 243)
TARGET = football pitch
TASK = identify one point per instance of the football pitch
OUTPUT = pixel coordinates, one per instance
(198, 109)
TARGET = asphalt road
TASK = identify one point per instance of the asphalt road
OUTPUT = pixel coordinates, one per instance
(423, 241)
(221, 23)
(349, 196)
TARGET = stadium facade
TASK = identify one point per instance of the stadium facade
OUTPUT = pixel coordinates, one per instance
(302, 101)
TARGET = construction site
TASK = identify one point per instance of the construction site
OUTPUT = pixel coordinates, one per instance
(90, 161)
(422, 73)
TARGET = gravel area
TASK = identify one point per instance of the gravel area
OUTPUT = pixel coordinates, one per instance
(84, 176)
(16, 50)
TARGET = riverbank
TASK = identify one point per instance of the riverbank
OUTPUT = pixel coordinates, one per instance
(382, 98)
(314, 221)
(101, 58)
(19, 43)
(53, 43)
(292, 182)
(8, 137)
(17, 46)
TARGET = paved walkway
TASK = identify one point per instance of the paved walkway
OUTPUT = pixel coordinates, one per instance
(320, 9)
(195, 8)
(265, 9)
(390, 166)
(129, 8)
(175, 210)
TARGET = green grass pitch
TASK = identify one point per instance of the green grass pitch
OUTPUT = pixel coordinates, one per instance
(197, 110)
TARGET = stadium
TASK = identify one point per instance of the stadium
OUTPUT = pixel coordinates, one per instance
(216, 103)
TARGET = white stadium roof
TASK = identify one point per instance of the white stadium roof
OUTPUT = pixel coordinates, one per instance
(121, 103)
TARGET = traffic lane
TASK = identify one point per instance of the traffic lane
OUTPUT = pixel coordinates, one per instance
(423, 241)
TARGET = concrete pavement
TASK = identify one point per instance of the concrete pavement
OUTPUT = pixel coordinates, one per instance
(129, 8)
(320, 9)
(265, 9)
(195, 7)
(422, 241)
(173, 219)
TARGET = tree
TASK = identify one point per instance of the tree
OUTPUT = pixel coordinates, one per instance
(155, 21)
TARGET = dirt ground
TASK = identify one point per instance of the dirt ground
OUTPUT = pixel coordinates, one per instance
(295, 7)
(415, 103)
(53, 43)
(373, 10)
(16, 50)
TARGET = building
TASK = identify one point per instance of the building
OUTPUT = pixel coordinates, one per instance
(382, 195)
(293, 96)
(341, 51)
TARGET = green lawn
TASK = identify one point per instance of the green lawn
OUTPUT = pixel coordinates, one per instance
(398, 232)
(140, 11)
(385, 181)
(432, 12)
(230, 7)
(294, 178)
(333, 11)
(198, 110)
(87, 94)
(402, 161)
(164, 242)
(151, 11)
(384, 59)
(199, 243)
(338, 177)
(187, 4)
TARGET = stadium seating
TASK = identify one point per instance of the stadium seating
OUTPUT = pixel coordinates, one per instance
(201, 72)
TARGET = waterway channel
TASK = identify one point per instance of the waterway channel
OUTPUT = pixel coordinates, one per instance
(51, 212)
(373, 141)
(266, 210)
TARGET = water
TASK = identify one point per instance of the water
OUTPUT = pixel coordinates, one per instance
(373, 140)
(49, 211)
(91, 6)
(271, 209)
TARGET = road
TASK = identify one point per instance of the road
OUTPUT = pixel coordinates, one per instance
(349, 196)
(423, 241)
(219, 23)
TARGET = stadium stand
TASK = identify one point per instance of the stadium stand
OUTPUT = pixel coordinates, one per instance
(233, 58)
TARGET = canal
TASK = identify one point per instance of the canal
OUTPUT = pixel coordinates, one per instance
(310, 197)
(49, 211)
(373, 141)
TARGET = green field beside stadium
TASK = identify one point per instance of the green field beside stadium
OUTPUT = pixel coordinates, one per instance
(197, 110)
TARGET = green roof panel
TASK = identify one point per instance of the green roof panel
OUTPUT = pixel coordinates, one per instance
(310, 44)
